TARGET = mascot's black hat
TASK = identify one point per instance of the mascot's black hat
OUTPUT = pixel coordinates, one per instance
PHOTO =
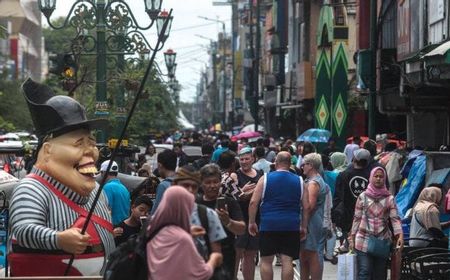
(55, 114)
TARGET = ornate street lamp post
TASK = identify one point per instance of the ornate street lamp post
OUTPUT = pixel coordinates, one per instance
(174, 86)
(169, 58)
(117, 34)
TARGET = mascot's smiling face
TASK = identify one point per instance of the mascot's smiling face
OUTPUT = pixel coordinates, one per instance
(70, 159)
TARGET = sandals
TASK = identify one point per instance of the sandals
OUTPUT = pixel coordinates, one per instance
(333, 260)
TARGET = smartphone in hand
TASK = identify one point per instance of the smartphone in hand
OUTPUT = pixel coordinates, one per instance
(143, 219)
(221, 204)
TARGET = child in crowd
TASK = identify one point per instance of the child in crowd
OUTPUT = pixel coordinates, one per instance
(132, 225)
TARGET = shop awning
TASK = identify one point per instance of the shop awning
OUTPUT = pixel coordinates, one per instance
(183, 121)
(439, 55)
(420, 54)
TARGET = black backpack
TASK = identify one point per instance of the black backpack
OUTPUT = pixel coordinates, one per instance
(219, 273)
(129, 259)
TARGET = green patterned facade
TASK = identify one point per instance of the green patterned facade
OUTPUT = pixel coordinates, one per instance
(331, 79)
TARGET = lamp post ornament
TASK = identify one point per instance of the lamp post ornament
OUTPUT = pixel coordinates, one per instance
(117, 33)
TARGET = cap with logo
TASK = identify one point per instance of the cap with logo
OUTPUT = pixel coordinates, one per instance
(114, 166)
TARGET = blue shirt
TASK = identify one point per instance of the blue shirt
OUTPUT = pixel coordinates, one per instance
(160, 189)
(281, 202)
(330, 178)
(216, 155)
(118, 200)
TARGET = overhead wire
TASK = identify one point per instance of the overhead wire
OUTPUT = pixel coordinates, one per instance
(191, 27)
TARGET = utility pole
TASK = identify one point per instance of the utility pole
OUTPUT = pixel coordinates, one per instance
(251, 74)
(372, 102)
(256, 64)
(216, 88)
(224, 76)
(234, 20)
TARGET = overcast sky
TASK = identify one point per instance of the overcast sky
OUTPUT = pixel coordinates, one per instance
(191, 50)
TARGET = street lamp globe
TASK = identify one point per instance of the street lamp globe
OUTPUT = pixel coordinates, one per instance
(172, 71)
(160, 23)
(153, 7)
(169, 57)
(47, 7)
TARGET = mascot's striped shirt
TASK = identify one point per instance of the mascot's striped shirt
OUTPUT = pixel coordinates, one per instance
(36, 214)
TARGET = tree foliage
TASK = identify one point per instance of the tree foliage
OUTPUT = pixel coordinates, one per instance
(155, 111)
(14, 111)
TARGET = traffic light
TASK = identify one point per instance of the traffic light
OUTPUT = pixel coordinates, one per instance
(63, 65)
(69, 67)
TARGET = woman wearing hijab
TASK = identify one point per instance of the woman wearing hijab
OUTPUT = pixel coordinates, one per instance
(425, 222)
(171, 253)
(336, 165)
(338, 161)
(374, 209)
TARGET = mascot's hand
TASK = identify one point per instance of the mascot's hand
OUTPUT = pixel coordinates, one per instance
(72, 241)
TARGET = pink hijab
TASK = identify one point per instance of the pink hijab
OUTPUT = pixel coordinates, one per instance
(175, 208)
(373, 191)
(171, 254)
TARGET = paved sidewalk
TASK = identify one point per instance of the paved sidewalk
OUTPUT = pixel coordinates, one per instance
(329, 272)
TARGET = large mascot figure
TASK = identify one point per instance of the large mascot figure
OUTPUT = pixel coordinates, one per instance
(48, 207)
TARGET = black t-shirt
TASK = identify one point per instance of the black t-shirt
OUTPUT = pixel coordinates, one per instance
(233, 210)
(128, 231)
(199, 163)
(349, 185)
(242, 180)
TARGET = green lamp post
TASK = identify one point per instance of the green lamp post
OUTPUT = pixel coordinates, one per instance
(118, 33)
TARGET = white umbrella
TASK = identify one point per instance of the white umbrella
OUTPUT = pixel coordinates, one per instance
(251, 128)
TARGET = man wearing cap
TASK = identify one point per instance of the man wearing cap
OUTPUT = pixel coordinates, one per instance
(117, 194)
(49, 207)
(349, 185)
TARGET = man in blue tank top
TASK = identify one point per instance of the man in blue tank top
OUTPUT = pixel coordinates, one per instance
(281, 197)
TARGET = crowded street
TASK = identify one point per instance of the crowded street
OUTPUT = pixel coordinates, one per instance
(225, 139)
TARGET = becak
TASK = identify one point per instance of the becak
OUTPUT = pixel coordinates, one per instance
(49, 207)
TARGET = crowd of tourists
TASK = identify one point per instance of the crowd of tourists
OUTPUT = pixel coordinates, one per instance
(240, 204)
(272, 204)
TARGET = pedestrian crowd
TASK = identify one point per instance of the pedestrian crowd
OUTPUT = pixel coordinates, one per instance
(240, 204)
(265, 203)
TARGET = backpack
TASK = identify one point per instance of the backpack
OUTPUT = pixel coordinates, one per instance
(129, 260)
(219, 273)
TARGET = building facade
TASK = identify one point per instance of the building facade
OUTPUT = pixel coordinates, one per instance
(23, 52)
